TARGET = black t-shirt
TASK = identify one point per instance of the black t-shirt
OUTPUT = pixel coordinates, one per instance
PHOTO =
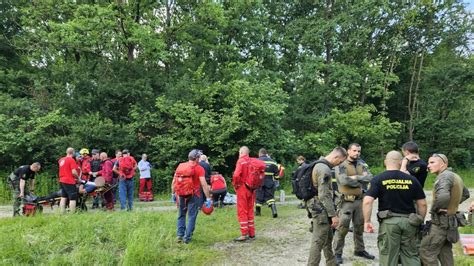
(207, 170)
(418, 169)
(24, 172)
(396, 191)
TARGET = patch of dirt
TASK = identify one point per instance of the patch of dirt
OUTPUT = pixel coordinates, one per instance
(286, 241)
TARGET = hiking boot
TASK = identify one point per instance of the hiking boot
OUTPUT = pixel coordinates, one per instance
(251, 237)
(258, 211)
(339, 259)
(364, 254)
(274, 210)
(242, 238)
(179, 239)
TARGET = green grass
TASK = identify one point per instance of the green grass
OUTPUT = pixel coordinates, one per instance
(130, 238)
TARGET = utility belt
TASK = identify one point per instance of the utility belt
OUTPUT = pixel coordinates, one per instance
(443, 220)
(413, 218)
(351, 198)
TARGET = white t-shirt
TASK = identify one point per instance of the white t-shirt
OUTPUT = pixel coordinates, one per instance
(145, 169)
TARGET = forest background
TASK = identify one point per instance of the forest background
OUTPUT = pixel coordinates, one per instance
(295, 77)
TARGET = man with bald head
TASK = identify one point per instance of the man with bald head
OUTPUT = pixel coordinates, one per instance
(245, 196)
(398, 218)
(448, 192)
(68, 178)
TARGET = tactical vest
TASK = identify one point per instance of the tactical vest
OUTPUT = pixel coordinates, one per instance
(351, 171)
(456, 193)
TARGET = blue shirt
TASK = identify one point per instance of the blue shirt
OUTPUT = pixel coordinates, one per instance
(145, 169)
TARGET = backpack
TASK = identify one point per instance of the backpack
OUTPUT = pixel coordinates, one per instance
(303, 186)
(183, 180)
(126, 165)
(256, 173)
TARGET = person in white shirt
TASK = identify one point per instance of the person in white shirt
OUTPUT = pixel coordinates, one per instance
(145, 174)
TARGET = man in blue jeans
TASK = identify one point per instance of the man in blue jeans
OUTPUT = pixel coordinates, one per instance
(187, 182)
(125, 168)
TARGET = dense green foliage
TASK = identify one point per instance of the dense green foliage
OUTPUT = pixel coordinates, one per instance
(163, 77)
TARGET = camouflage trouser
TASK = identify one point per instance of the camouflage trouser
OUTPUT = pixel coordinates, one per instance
(397, 240)
(15, 186)
(435, 246)
(350, 211)
(321, 239)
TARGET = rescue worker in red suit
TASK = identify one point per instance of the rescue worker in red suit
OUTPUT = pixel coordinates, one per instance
(107, 173)
(245, 196)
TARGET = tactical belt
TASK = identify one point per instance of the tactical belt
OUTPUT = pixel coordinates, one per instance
(389, 214)
(351, 198)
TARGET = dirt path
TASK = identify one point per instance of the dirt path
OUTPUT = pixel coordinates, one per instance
(286, 241)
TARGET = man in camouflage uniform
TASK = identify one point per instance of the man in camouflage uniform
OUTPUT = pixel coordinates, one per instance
(321, 207)
(448, 192)
(17, 180)
(352, 178)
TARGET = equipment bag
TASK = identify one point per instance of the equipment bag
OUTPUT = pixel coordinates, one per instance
(183, 180)
(304, 189)
(218, 183)
(256, 175)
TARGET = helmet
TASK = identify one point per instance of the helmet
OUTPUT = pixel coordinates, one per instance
(84, 151)
(207, 211)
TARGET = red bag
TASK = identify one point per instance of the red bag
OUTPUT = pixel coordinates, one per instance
(256, 173)
(29, 209)
(218, 183)
(126, 165)
(183, 180)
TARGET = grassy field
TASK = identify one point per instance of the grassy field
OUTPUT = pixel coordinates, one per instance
(130, 238)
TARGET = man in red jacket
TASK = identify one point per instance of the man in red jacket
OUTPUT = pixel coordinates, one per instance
(125, 168)
(245, 196)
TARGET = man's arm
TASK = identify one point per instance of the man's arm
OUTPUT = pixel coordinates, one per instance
(22, 188)
(344, 179)
(367, 176)
(367, 211)
(421, 207)
(442, 191)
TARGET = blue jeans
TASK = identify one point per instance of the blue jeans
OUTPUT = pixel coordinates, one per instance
(187, 206)
(126, 187)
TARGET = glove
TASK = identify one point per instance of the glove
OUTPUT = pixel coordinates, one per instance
(208, 203)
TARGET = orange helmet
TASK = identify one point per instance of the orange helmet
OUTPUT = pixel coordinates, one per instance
(207, 211)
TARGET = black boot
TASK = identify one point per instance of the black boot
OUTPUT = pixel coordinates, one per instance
(274, 210)
(258, 211)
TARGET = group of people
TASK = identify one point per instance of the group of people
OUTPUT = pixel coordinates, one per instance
(78, 175)
(346, 191)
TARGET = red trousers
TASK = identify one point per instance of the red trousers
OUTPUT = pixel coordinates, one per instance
(145, 182)
(245, 203)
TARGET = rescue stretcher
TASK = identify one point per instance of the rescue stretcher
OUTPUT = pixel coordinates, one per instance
(33, 204)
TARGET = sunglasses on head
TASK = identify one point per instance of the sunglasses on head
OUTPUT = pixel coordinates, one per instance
(439, 156)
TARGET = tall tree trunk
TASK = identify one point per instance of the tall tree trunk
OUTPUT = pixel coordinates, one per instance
(413, 94)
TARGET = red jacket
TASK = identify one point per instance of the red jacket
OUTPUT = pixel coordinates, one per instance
(86, 167)
(241, 171)
(106, 171)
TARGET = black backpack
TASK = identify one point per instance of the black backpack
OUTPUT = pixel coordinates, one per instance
(303, 186)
